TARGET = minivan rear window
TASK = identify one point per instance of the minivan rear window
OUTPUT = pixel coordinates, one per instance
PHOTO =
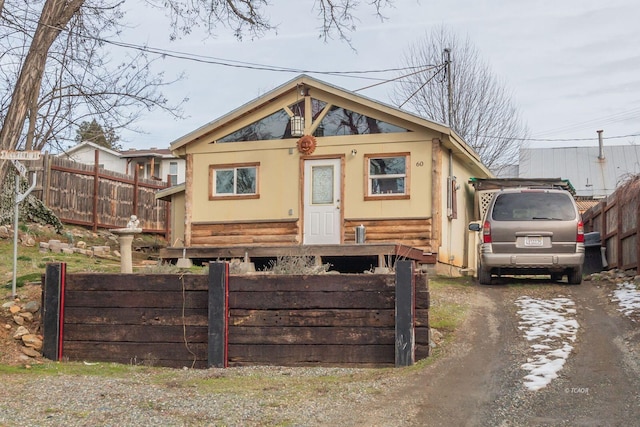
(531, 206)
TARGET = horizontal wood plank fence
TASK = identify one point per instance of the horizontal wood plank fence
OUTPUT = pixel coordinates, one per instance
(617, 218)
(88, 195)
(234, 320)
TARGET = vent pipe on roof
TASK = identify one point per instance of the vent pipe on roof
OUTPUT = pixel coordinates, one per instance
(600, 145)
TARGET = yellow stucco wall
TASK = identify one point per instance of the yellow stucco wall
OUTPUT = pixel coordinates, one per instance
(177, 220)
(454, 250)
(280, 178)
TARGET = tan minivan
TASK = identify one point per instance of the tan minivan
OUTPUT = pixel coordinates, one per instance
(531, 231)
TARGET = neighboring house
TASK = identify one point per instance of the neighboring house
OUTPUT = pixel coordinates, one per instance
(254, 179)
(153, 163)
(85, 152)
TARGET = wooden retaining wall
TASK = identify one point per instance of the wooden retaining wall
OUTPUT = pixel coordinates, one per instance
(200, 321)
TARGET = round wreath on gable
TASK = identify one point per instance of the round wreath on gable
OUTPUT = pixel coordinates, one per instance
(307, 144)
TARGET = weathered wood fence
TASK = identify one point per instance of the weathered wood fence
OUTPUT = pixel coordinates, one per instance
(617, 218)
(88, 195)
(221, 320)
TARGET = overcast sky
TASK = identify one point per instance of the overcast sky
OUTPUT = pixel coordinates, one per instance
(572, 66)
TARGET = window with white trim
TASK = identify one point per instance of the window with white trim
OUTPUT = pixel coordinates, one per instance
(173, 173)
(387, 175)
(234, 181)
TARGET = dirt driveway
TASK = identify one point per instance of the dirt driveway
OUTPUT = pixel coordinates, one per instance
(481, 382)
(529, 354)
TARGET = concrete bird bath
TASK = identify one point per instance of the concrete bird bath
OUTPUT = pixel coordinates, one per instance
(125, 239)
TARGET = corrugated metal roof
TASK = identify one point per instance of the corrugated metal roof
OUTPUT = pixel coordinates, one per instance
(589, 175)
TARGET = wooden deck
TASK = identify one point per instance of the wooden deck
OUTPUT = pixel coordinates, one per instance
(380, 250)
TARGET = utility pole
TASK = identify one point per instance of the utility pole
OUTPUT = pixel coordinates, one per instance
(447, 63)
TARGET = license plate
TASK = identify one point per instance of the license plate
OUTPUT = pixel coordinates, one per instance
(533, 240)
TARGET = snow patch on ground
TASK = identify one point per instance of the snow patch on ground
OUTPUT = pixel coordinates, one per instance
(628, 299)
(551, 328)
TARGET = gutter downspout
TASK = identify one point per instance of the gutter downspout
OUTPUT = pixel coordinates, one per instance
(450, 208)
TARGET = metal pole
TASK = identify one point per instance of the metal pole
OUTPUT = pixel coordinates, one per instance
(15, 238)
(19, 198)
(447, 55)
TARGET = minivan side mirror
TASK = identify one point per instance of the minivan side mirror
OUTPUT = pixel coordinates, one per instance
(475, 226)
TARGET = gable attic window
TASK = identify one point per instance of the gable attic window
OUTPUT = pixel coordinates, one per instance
(274, 126)
(387, 176)
(340, 121)
(234, 181)
(337, 122)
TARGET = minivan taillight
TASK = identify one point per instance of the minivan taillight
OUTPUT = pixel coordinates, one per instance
(580, 235)
(486, 232)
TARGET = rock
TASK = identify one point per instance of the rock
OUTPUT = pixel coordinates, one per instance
(15, 309)
(20, 332)
(67, 251)
(26, 316)
(116, 253)
(28, 241)
(32, 306)
(81, 245)
(19, 320)
(7, 326)
(31, 352)
(33, 341)
(44, 246)
(4, 231)
(435, 337)
(8, 304)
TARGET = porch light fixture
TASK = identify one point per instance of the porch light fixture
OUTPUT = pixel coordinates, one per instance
(297, 125)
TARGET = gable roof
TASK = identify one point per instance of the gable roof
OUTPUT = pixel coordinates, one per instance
(451, 141)
(131, 153)
(92, 145)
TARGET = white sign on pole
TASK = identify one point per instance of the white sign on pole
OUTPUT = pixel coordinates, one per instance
(20, 155)
(22, 169)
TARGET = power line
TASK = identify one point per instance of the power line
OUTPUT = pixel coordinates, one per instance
(557, 139)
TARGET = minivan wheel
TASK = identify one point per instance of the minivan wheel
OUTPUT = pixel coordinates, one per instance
(484, 276)
(575, 276)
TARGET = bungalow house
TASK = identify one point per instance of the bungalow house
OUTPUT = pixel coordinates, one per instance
(299, 169)
(85, 152)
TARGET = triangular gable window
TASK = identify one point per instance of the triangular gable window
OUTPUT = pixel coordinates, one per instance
(340, 121)
(337, 121)
(274, 126)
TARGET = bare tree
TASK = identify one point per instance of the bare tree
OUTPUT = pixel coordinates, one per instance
(82, 81)
(75, 79)
(482, 111)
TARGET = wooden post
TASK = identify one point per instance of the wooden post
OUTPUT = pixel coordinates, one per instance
(405, 313)
(96, 187)
(636, 208)
(218, 315)
(135, 192)
(619, 203)
(167, 216)
(53, 310)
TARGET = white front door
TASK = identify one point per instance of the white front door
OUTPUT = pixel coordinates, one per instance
(322, 188)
